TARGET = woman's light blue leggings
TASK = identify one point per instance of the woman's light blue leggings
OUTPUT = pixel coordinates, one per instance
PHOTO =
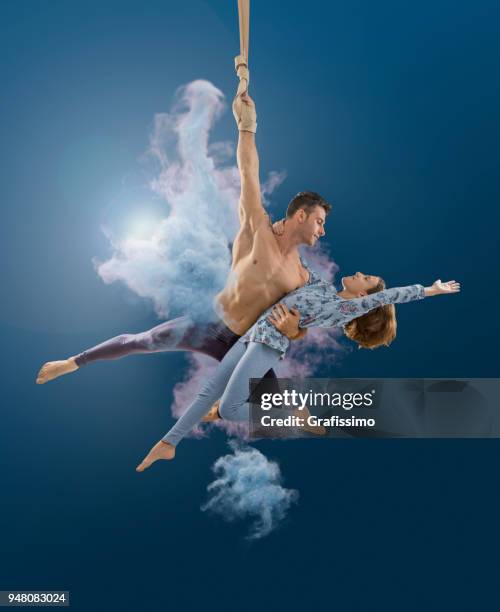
(230, 383)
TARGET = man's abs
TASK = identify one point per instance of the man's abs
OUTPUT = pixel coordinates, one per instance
(240, 307)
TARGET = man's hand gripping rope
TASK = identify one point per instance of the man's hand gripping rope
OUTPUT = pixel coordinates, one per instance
(243, 106)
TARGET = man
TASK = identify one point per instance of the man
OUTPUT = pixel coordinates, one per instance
(265, 267)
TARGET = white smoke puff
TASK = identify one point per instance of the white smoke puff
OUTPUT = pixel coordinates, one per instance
(273, 181)
(248, 485)
(186, 260)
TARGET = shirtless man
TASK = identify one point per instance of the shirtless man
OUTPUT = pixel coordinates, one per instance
(265, 267)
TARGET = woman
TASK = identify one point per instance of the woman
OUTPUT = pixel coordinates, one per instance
(364, 308)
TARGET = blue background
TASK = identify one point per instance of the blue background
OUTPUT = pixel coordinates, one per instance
(391, 111)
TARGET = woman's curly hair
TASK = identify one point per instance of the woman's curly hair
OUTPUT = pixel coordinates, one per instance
(375, 328)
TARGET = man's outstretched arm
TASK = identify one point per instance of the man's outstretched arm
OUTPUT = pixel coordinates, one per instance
(251, 210)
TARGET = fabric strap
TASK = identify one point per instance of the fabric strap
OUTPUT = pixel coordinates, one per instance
(244, 17)
(241, 60)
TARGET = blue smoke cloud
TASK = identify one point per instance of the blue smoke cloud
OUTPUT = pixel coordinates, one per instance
(186, 260)
(248, 485)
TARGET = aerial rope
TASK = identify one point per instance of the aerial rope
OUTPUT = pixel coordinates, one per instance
(244, 113)
(241, 60)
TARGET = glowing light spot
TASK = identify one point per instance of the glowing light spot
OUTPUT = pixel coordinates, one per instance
(142, 228)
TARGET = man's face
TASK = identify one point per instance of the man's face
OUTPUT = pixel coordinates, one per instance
(360, 283)
(313, 225)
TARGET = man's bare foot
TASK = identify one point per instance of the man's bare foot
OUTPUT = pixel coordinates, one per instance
(161, 450)
(54, 369)
(318, 430)
(212, 414)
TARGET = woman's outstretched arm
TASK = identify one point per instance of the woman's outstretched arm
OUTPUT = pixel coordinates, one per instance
(287, 322)
(355, 307)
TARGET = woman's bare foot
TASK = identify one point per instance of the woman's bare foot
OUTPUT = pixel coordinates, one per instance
(318, 430)
(161, 450)
(54, 369)
(212, 414)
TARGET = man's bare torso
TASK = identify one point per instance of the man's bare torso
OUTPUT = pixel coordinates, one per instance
(260, 276)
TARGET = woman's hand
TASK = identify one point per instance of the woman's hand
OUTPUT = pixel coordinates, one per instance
(286, 321)
(279, 227)
(438, 287)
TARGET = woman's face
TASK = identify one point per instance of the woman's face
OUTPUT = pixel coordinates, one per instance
(359, 283)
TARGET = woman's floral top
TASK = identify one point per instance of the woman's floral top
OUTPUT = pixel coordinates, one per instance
(320, 306)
